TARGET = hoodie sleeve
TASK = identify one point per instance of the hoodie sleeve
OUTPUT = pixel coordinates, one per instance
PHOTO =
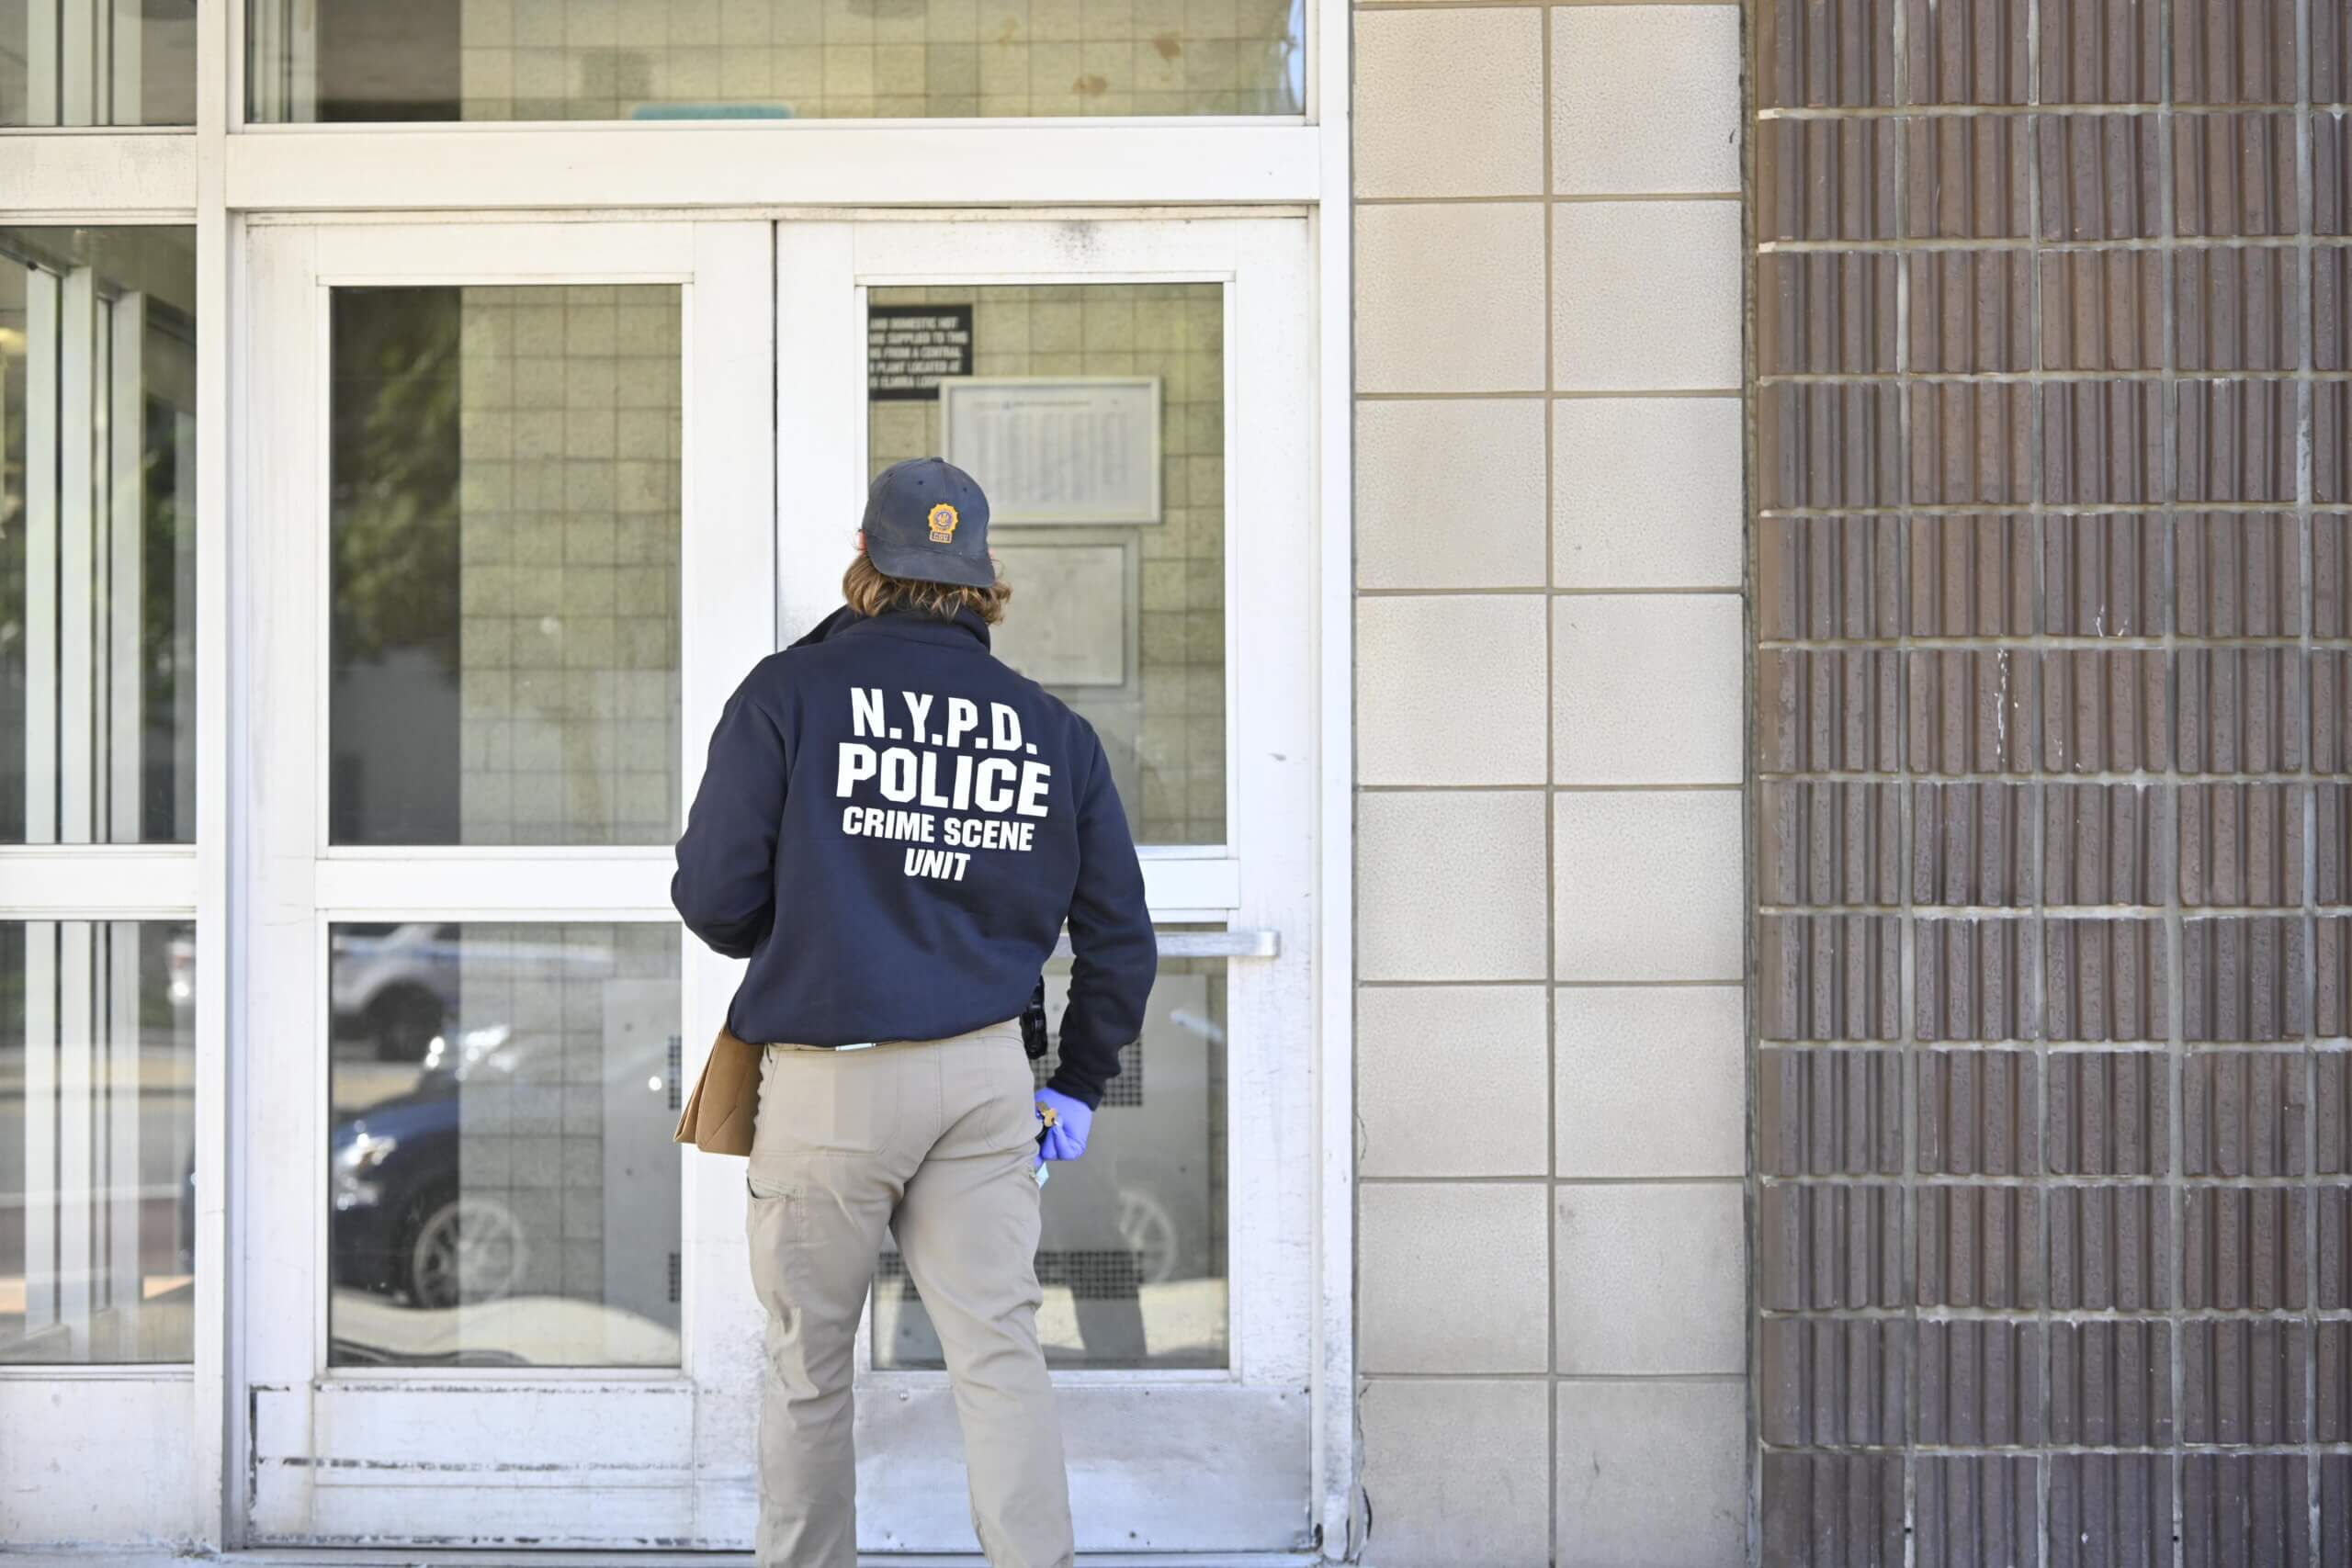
(1115, 950)
(725, 886)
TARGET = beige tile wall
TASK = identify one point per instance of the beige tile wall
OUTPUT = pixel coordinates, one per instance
(1551, 1084)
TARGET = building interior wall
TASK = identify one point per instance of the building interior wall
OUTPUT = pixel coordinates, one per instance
(1550, 638)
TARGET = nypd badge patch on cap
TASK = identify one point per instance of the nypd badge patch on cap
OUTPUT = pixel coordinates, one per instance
(926, 519)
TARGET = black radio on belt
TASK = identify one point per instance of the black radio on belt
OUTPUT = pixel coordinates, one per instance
(1032, 1022)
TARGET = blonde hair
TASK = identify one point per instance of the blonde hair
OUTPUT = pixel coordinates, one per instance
(870, 591)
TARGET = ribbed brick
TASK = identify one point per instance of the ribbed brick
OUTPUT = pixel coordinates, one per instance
(2104, 843)
(1968, 178)
(1826, 313)
(2334, 1248)
(1830, 977)
(1823, 842)
(2331, 711)
(2233, 174)
(1829, 447)
(1832, 1510)
(2332, 172)
(2106, 979)
(2241, 574)
(2234, 52)
(1979, 1113)
(2332, 1114)
(2242, 1381)
(1971, 443)
(2102, 443)
(2245, 1511)
(2102, 310)
(1971, 311)
(2240, 710)
(1980, 1247)
(2237, 441)
(2099, 176)
(1819, 179)
(2111, 1248)
(2332, 1419)
(1829, 710)
(1972, 575)
(1823, 1113)
(1970, 1512)
(2110, 1511)
(2246, 1250)
(2245, 1114)
(2238, 308)
(1972, 712)
(1829, 578)
(1829, 1249)
(2100, 51)
(2103, 574)
(1837, 56)
(1832, 1382)
(2110, 1113)
(2244, 978)
(2332, 308)
(2330, 575)
(2331, 443)
(2332, 975)
(2336, 1507)
(2104, 710)
(2240, 845)
(1981, 1384)
(2111, 1384)
(2331, 78)
(1973, 980)
(1967, 51)
(1971, 844)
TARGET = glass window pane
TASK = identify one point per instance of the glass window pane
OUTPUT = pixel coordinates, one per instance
(98, 63)
(98, 1142)
(505, 518)
(502, 1187)
(1133, 1259)
(98, 535)
(1046, 395)
(555, 60)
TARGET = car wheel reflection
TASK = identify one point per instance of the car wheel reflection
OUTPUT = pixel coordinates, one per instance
(1146, 1226)
(467, 1248)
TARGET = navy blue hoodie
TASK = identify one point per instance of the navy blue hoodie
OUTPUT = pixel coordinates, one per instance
(893, 827)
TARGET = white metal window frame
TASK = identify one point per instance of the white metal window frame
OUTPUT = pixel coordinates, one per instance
(222, 171)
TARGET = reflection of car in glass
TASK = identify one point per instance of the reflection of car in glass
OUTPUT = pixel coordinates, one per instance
(406, 1223)
(397, 983)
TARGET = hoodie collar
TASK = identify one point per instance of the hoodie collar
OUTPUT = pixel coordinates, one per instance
(911, 625)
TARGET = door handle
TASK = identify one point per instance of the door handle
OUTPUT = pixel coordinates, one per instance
(1251, 942)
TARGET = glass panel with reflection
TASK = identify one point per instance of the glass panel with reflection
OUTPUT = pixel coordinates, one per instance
(502, 1187)
(1094, 416)
(568, 60)
(98, 1142)
(1133, 1259)
(85, 62)
(98, 535)
(505, 514)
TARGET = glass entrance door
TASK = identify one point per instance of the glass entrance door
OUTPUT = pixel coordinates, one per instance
(523, 504)
(1135, 396)
(504, 482)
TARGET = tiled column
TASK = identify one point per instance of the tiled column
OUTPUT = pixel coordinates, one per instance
(1550, 893)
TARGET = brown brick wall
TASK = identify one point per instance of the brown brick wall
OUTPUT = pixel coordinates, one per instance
(2053, 695)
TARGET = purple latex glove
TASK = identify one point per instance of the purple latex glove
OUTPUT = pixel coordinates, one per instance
(1066, 1139)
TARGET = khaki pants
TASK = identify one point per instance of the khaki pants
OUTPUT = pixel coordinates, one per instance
(935, 1141)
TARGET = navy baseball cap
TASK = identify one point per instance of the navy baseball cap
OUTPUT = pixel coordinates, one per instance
(926, 519)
